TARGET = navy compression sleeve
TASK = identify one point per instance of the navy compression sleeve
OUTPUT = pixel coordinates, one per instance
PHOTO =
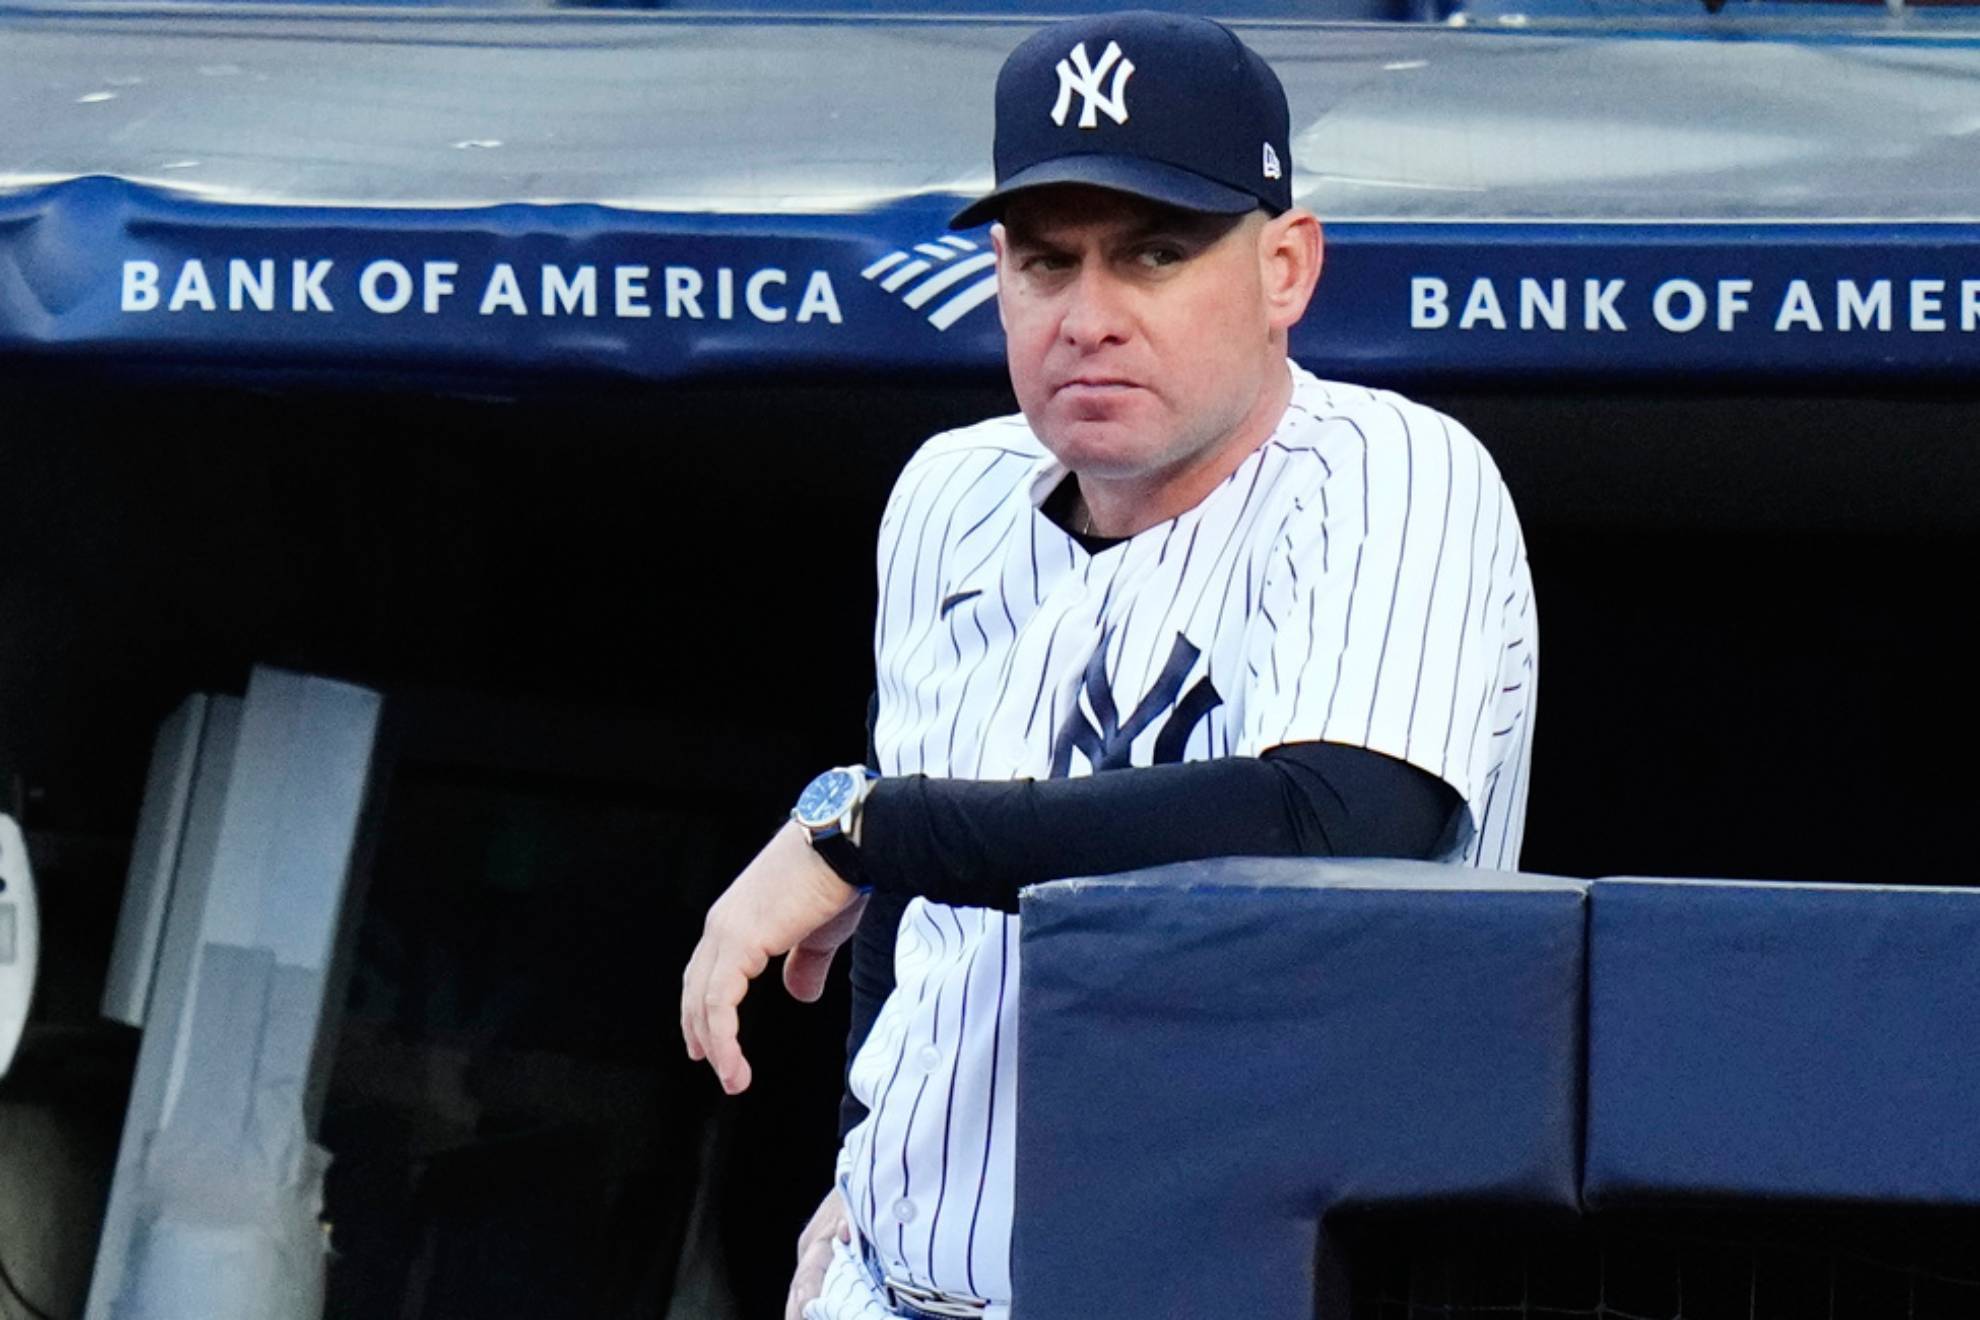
(976, 843)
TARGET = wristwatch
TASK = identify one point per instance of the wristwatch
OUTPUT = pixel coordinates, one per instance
(828, 809)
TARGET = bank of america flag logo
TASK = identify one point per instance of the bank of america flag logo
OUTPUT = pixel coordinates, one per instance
(950, 269)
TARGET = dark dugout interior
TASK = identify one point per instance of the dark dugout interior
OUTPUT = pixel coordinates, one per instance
(619, 628)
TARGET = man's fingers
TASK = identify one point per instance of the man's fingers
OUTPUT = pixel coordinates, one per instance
(719, 1027)
(716, 979)
(809, 1281)
(807, 966)
(828, 1219)
(814, 1252)
(784, 897)
(688, 1036)
(691, 994)
(805, 972)
(733, 1070)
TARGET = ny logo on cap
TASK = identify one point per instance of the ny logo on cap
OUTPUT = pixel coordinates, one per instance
(1086, 81)
(1272, 170)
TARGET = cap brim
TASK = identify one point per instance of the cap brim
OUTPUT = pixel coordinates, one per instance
(1139, 177)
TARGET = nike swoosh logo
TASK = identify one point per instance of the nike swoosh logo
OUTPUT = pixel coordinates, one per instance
(958, 599)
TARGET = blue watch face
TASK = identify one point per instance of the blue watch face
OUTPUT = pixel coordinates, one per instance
(825, 798)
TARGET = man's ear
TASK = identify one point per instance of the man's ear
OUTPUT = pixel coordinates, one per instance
(1002, 252)
(1290, 251)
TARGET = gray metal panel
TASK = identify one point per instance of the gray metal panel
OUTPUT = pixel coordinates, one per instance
(270, 843)
(172, 985)
(1705, 121)
(168, 792)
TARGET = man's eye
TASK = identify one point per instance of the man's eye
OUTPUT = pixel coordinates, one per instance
(1047, 262)
(1158, 255)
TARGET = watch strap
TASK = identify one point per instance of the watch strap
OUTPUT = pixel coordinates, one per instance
(842, 855)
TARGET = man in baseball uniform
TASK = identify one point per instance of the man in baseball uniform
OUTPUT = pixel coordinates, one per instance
(1191, 602)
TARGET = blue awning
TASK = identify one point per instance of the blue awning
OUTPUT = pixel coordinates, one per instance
(493, 194)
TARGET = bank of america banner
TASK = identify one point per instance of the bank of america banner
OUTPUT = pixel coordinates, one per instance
(104, 270)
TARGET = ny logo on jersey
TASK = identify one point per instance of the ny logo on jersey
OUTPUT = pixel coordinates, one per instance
(1086, 81)
(1107, 747)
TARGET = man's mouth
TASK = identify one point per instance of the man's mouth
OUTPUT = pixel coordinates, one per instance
(1096, 385)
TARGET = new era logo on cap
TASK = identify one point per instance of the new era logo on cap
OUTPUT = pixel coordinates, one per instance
(1202, 102)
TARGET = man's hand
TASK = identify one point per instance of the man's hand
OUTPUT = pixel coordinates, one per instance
(786, 901)
(814, 1252)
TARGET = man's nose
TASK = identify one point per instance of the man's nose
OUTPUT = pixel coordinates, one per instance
(1095, 310)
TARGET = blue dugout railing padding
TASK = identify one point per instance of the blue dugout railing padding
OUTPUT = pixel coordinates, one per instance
(246, 190)
(1779, 1041)
(1217, 1057)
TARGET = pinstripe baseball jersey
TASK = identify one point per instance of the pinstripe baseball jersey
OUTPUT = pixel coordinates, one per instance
(1361, 578)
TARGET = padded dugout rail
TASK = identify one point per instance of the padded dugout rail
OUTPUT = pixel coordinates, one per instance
(1812, 1042)
(1214, 1055)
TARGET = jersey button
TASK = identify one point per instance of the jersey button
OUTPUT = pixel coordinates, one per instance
(929, 1058)
(904, 1210)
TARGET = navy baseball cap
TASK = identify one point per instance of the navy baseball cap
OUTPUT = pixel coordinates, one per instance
(1164, 106)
